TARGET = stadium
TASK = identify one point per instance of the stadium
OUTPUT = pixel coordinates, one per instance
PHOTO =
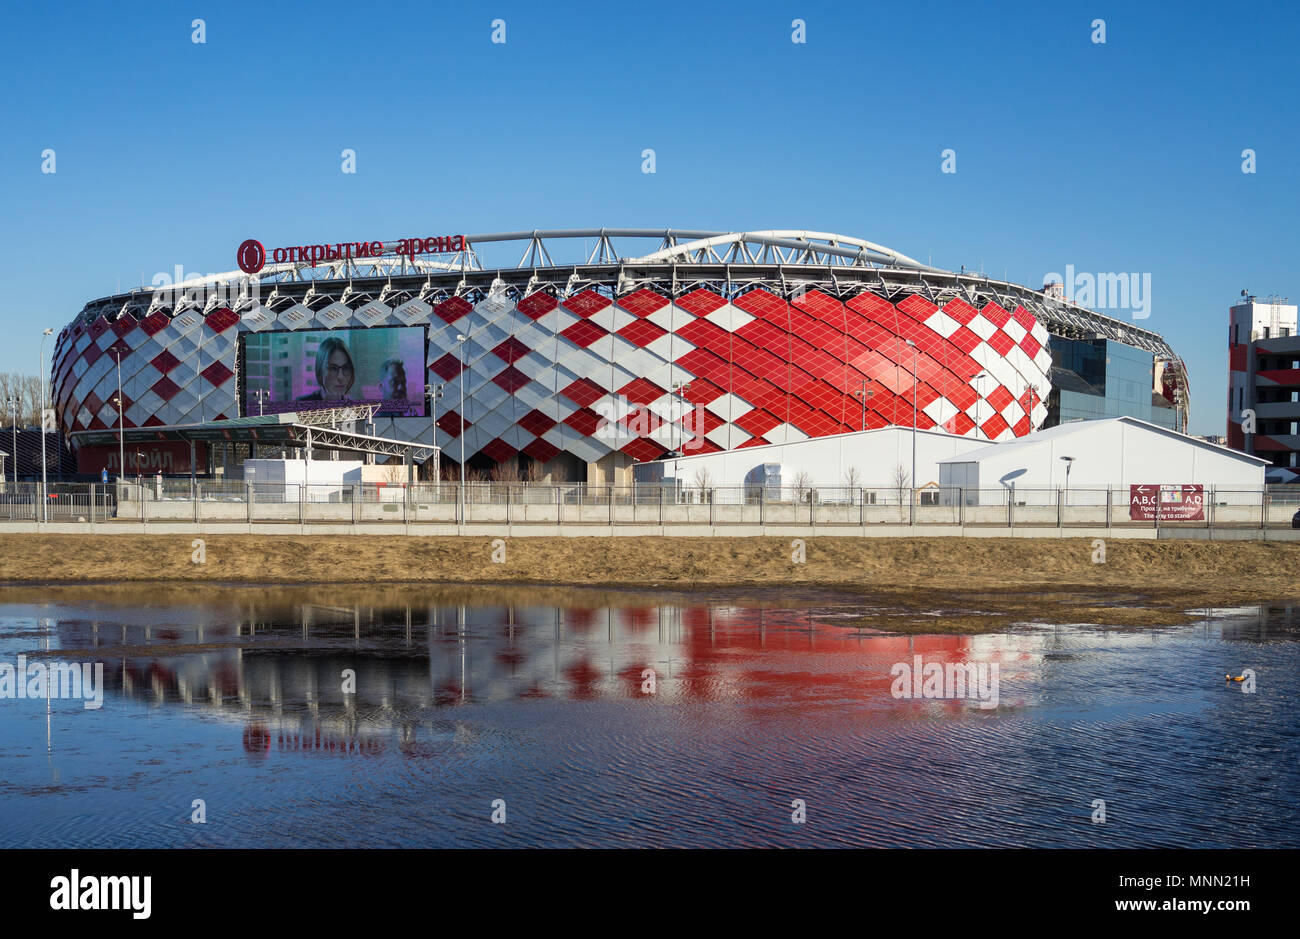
(597, 349)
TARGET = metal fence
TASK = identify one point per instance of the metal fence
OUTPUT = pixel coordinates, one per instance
(180, 500)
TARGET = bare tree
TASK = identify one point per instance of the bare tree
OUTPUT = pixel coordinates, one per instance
(853, 482)
(802, 486)
(394, 473)
(901, 481)
(703, 481)
(507, 472)
(27, 389)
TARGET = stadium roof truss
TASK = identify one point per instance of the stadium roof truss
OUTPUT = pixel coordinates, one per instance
(729, 263)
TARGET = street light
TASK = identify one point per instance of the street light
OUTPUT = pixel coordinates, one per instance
(139, 462)
(121, 421)
(460, 357)
(45, 497)
(1069, 464)
(864, 394)
(13, 411)
(261, 394)
(913, 345)
(433, 393)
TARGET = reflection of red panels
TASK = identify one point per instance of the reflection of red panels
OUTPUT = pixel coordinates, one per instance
(700, 302)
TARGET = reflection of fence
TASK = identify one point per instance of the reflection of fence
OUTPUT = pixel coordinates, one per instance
(178, 500)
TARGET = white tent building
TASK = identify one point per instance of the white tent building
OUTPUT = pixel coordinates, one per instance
(1113, 453)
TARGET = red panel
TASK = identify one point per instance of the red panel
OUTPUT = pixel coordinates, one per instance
(511, 379)
(1022, 427)
(702, 332)
(701, 391)
(221, 319)
(644, 450)
(917, 307)
(641, 333)
(583, 392)
(155, 322)
(452, 309)
(98, 327)
(541, 450)
(447, 367)
(993, 426)
(1237, 357)
(165, 388)
(965, 340)
(961, 424)
(584, 421)
(1001, 343)
(536, 305)
(762, 304)
(871, 306)
(536, 422)
(124, 324)
(587, 303)
(449, 424)
(153, 420)
(1030, 345)
(511, 351)
(641, 391)
(705, 364)
(643, 302)
(995, 314)
(218, 373)
(754, 442)
(498, 450)
(1000, 398)
(583, 333)
(164, 361)
(1024, 318)
(960, 310)
(757, 422)
(700, 302)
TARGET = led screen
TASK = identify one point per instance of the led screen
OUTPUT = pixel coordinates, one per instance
(308, 369)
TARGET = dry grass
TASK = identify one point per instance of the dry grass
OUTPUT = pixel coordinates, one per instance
(979, 584)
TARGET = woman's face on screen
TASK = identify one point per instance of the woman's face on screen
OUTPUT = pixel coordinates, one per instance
(338, 374)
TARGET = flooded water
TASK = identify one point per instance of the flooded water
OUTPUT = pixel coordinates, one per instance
(607, 720)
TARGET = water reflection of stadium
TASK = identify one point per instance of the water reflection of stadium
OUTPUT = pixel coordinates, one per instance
(279, 669)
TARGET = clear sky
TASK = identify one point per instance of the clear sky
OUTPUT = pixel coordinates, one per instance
(1117, 157)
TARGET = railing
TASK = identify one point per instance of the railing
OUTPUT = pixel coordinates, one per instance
(180, 500)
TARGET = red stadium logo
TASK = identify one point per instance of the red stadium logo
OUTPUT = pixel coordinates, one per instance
(251, 256)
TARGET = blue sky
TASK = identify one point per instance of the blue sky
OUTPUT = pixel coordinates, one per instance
(1122, 157)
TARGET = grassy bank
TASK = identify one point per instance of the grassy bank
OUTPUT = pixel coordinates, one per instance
(978, 584)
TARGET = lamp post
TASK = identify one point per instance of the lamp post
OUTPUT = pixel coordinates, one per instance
(864, 394)
(433, 393)
(1069, 464)
(121, 425)
(45, 498)
(261, 394)
(13, 412)
(913, 345)
(460, 357)
(139, 462)
(679, 389)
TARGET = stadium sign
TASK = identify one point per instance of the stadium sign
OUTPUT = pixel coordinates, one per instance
(251, 255)
(1168, 503)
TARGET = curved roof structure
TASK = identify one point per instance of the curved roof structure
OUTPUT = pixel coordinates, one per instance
(618, 261)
